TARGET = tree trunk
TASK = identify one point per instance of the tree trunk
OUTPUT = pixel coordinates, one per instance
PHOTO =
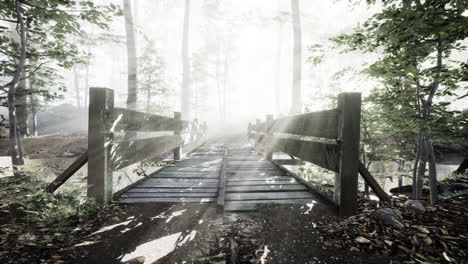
(296, 100)
(421, 172)
(432, 171)
(22, 106)
(278, 69)
(15, 138)
(185, 93)
(401, 165)
(77, 87)
(131, 57)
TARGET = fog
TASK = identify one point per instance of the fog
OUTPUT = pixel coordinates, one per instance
(238, 52)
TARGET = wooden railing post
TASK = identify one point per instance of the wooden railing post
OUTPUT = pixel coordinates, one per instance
(268, 138)
(346, 180)
(177, 131)
(101, 104)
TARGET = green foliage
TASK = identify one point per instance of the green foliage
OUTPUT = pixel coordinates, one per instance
(56, 208)
(41, 206)
(50, 25)
(153, 81)
(416, 41)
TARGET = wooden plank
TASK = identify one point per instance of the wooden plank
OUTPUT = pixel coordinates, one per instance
(322, 154)
(74, 167)
(101, 102)
(184, 176)
(267, 188)
(170, 180)
(179, 185)
(315, 124)
(260, 178)
(169, 195)
(123, 119)
(261, 183)
(222, 185)
(173, 190)
(252, 205)
(256, 173)
(190, 169)
(268, 195)
(289, 162)
(383, 196)
(346, 182)
(129, 152)
(166, 200)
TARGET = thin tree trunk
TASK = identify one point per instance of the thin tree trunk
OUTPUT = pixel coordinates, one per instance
(15, 139)
(401, 166)
(421, 172)
(77, 87)
(296, 99)
(131, 57)
(185, 93)
(22, 106)
(432, 171)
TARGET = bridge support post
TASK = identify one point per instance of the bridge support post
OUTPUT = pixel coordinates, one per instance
(346, 180)
(101, 105)
(177, 131)
(268, 141)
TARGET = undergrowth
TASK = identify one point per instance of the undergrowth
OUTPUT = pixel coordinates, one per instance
(28, 195)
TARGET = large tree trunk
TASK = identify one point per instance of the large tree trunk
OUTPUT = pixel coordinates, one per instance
(131, 57)
(15, 137)
(22, 106)
(296, 100)
(185, 93)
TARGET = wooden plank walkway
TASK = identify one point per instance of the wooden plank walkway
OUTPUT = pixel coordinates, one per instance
(249, 180)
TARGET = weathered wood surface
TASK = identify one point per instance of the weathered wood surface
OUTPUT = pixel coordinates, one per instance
(101, 103)
(346, 182)
(322, 154)
(167, 200)
(222, 183)
(266, 188)
(383, 196)
(62, 178)
(129, 152)
(316, 124)
(228, 183)
(197, 182)
(123, 119)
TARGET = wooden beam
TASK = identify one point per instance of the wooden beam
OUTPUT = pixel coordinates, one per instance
(346, 181)
(142, 149)
(74, 167)
(123, 119)
(315, 124)
(322, 154)
(101, 104)
(383, 196)
(222, 184)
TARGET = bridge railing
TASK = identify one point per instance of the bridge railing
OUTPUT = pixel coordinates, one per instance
(106, 155)
(299, 136)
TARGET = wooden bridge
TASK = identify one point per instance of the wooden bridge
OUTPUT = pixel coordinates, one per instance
(236, 178)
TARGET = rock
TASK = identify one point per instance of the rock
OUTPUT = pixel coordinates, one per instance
(414, 206)
(389, 216)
